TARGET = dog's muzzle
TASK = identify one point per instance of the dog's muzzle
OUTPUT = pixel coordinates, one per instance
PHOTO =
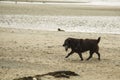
(66, 48)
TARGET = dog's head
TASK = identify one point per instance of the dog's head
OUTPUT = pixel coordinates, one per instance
(67, 44)
(72, 43)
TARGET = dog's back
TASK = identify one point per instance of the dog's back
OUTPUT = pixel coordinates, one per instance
(89, 44)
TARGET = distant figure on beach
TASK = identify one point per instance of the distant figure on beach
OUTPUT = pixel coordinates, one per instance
(60, 29)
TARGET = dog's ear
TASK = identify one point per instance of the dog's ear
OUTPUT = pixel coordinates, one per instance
(79, 44)
(69, 40)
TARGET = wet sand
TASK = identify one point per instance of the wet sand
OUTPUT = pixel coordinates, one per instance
(59, 9)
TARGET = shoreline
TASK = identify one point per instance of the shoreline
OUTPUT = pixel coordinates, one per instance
(38, 30)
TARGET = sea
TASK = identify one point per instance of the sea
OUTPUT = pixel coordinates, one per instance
(89, 24)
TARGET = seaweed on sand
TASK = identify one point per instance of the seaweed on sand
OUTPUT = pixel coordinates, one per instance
(56, 74)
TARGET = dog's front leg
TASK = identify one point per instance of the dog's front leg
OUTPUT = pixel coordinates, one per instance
(69, 54)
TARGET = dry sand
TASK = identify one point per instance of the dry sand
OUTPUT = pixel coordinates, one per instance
(33, 52)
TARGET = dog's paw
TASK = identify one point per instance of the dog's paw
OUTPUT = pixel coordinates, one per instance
(66, 57)
(81, 59)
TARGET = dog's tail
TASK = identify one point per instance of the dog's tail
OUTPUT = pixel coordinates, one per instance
(98, 40)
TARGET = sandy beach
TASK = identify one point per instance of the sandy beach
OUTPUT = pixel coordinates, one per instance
(29, 52)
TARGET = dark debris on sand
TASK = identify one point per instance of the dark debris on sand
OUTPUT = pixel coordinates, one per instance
(56, 74)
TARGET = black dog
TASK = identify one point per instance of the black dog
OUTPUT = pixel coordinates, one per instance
(81, 45)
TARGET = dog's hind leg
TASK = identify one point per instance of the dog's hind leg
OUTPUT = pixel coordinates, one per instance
(69, 54)
(91, 54)
(98, 55)
(80, 55)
